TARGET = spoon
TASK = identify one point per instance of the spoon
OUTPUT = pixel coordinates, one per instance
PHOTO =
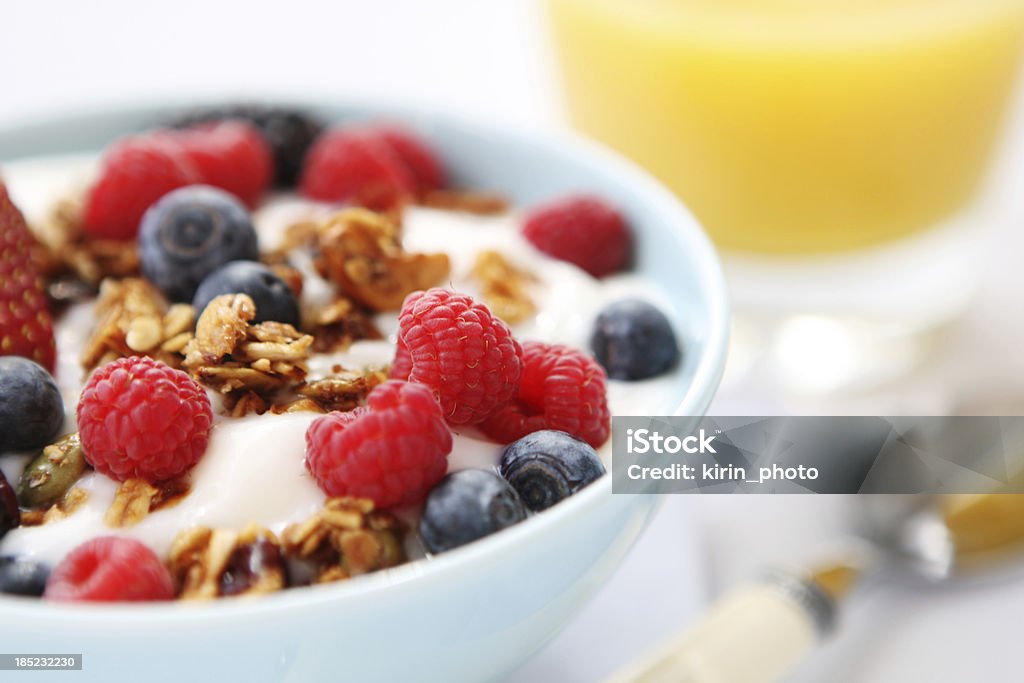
(761, 631)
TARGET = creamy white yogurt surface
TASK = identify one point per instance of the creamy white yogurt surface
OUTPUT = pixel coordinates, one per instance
(253, 470)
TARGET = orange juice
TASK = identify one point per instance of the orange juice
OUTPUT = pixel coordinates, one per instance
(797, 126)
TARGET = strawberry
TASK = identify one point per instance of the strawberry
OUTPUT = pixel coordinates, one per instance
(26, 327)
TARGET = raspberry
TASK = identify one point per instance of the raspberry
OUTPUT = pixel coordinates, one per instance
(231, 155)
(110, 569)
(138, 417)
(460, 350)
(421, 161)
(26, 327)
(582, 230)
(352, 164)
(562, 389)
(392, 451)
(135, 172)
(289, 132)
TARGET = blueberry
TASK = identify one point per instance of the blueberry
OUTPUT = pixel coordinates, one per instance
(289, 132)
(274, 299)
(634, 340)
(467, 505)
(251, 562)
(548, 466)
(10, 515)
(31, 408)
(21, 576)
(190, 233)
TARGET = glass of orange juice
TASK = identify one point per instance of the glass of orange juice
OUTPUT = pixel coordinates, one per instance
(833, 149)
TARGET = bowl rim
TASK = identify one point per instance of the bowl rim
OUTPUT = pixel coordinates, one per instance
(417, 574)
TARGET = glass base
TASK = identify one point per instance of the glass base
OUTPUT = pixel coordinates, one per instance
(856, 319)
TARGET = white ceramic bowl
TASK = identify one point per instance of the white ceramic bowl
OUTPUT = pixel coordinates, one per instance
(474, 613)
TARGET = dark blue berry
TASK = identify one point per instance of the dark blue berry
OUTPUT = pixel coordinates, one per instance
(31, 409)
(250, 562)
(10, 515)
(548, 466)
(467, 505)
(21, 576)
(274, 299)
(190, 233)
(634, 340)
(288, 132)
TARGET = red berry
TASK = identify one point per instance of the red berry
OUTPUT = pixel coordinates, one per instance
(460, 350)
(392, 451)
(417, 156)
(582, 230)
(138, 417)
(110, 569)
(230, 155)
(562, 389)
(352, 164)
(134, 173)
(26, 328)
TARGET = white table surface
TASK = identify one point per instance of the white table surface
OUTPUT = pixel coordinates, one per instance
(489, 59)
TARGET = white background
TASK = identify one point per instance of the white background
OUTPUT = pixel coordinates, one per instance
(489, 59)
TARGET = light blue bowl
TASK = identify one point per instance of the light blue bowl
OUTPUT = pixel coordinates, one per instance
(472, 614)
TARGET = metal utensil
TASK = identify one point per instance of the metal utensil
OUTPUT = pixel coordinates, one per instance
(759, 632)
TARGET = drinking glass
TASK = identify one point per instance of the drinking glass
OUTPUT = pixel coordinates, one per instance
(833, 149)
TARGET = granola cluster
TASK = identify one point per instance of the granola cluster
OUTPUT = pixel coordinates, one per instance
(361, 253)
(261, 367)
(345, 538)
(339, 323)
(75, 263)
(208, 563)
(343, 320)
(344, 390)
(134, 319)
(505, 288)
(136, 498)
(239, 358)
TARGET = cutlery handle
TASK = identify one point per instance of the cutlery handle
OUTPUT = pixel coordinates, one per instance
(756, 634)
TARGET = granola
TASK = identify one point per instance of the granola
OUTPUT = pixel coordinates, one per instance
(198, 558)
(361, 253)
(296, 236)
(343, 390)
(298, 405)
(470, 201)
(135, 320)
(73, 256)
(131, 503)
(65, 507)
(345, 538)
(505, 288)
(208, 563)
(340, 323)
(255, 566)
(240, 359)
(136, 498)
(290, 275)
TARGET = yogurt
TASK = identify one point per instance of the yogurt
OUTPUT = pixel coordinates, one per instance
(253, 469)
